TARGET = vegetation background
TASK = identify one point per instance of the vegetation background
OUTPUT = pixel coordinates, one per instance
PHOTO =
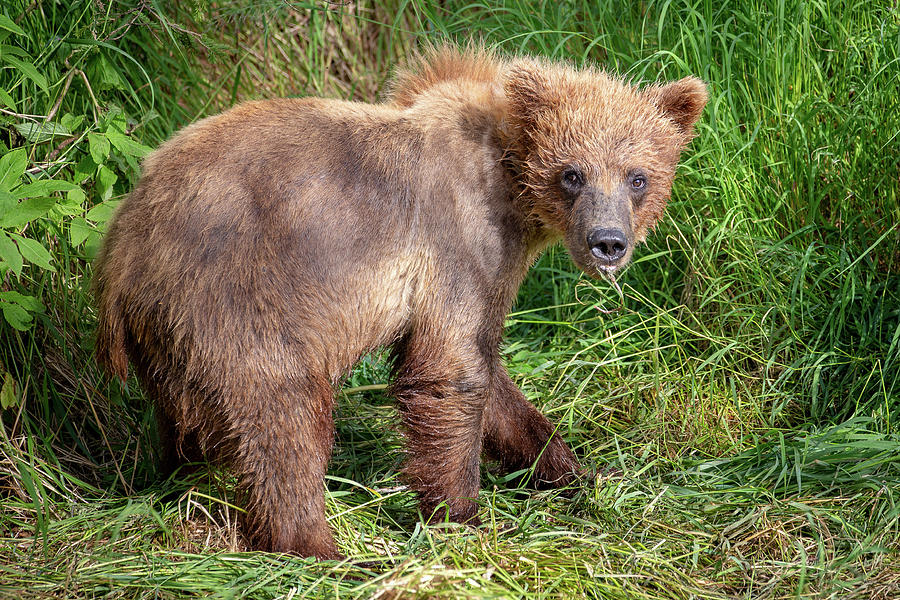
(739, 402)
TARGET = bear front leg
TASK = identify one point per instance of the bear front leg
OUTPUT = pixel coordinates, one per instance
(518, 435)
(442, 398)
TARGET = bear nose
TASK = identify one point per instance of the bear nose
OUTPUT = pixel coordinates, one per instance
(607, 244)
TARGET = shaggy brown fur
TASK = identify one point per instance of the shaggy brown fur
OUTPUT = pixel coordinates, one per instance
(267, 248)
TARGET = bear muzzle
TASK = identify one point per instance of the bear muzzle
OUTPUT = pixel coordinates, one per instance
(608, 246)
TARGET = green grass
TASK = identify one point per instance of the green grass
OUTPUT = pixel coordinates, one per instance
(738, 403)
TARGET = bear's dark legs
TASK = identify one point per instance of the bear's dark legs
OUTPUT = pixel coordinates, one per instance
(441, 399)
(172, 450)
(282, 446)
(168, 458)
(517, 434)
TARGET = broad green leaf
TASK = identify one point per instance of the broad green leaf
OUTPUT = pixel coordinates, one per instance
(12, 167)
(7, 202)
(72, 204)
(105, 180)
(9, 253)
(30, 303)
(16, 316)
(92, 243)
(102, 212)
(6, 99)
(84, 169)
(79, 230)
(43, 187)
(134, 164)
(126, 145)
(71, 122)
(8, 24)
(27, 69)
(99, 147)
(66, 207)
(104, 76)
(8, 395)
(34, 252)
(115, 120)
(41, 132)
(25, 211)
(76, 194)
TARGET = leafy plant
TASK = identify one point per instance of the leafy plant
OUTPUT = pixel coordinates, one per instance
(41, 185)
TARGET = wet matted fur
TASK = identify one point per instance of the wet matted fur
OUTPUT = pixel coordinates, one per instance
(266, 249)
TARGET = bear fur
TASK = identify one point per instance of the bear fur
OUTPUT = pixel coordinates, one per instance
(266, 249)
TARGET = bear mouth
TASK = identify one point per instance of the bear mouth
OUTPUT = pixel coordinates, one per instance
(608, 272)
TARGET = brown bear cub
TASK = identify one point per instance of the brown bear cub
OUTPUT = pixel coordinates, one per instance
(266, 249)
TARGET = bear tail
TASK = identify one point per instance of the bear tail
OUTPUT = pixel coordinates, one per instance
(110, 347)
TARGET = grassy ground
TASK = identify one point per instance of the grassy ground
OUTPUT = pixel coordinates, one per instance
(739, 401)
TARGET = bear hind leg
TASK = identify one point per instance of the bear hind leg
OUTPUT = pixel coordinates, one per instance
(282, 440)
(519, 436)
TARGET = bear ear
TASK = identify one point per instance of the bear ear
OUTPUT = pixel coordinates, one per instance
(682, 101)
(530, 92)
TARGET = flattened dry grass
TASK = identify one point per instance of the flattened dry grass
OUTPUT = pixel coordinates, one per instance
(737, 403)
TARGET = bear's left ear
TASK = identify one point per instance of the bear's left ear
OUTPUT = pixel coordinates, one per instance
(682, 101)
(531, 92)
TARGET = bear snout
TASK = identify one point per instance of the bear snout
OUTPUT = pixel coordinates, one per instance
(607, 245)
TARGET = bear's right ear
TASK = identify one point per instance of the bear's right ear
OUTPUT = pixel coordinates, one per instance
(530, 93)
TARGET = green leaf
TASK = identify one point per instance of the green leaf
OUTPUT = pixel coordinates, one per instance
(8, 24)
(37, 133)
(30, 303)
(8, 395)
(105, 180)
(92, 244)
(12, 167)
(114, 120)
(26, 211)
(104, 76)
(7, 99)
(7, 202)
(76, 194)
(99, 147)
(102, 212)
(79, 230)
(17, 309)
(126, 145)
(34, 252)
(9, 253)
(16, 316)
(72, 204)
(27, 69)
(43, 187)
(71, 122)
(65, 208)
(84, 169)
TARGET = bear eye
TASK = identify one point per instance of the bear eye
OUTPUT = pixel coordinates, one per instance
(572, 178)
(638, 182)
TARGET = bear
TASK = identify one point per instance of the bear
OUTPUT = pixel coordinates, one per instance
(265, 250)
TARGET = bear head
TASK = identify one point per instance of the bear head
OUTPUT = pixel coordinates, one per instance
(595, 155)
